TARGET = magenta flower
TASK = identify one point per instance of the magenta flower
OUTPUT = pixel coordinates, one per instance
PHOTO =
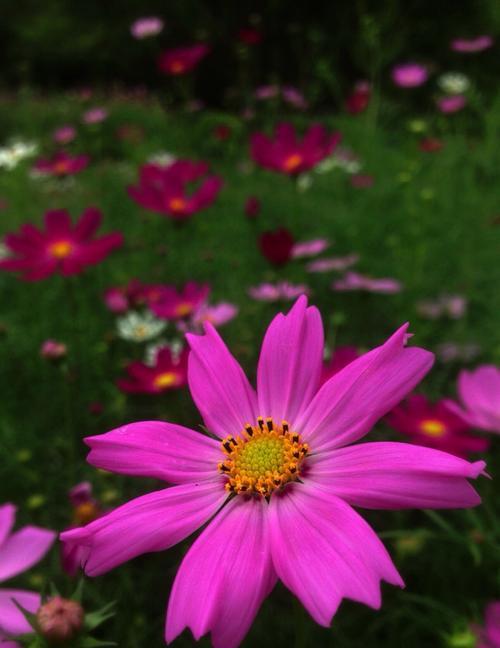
(94, 115)
(166, 374)
(265, 92)
(146, 27)
(341, 357)
(472, 45)
(164, 189)
(409, 75)
(53, 350)
(356, 281)
(285, 154)
(263, 522)
(18, 552)
(85, 509)
(283, 290)
(479, 391)
(489, 635)
(435, 426)
(276, 245)
(64, 134)
(62, 164)
(216, 314)
(182, 60)
(451, 104)
(63, 247)
(332, 263)
(294, 97)
(309, 248)
(174, 305)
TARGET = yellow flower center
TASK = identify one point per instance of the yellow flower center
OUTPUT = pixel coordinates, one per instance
(85, 513)
(60, 249)
(177, 67)
(265, 457)
(183, 309)
(433, 428)
(164, 380)
(61, 167)
(292, 162)
(177, 204)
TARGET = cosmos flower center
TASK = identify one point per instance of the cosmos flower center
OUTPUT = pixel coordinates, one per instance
(183, 309)
(60, 249)
(85, 513)
(177, 67)
(263, 458)
(177, 204)
(165, 379)
(292, 162)
(62, 166)
(432, 428)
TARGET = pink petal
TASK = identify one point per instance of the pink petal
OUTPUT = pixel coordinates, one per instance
(88, 224)
(323, 551)
(290, 362)
(156, 449)
(24, 549)
(7, 518)
(149, 523)
(57, 222)
(384, 475)
(224, 577)
(12, 620)
(354, 399)
(218, 385)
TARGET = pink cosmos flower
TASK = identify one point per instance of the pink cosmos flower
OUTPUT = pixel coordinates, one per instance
(146, 27)
(119, 299)
(332, 263)
(294, 97)
(283, 290)
(174, 305)
(451, 104)
(62, 248)
(453, 306)
(62, 164)
(489, 635)
(18, 552)
(479, 391)
(309, 248)
(85, 509)
(266, 92)
(341, 357)
(182, 60)
(409, 75)
(472, 45)
(285, 154)
(263, 523)
(53, 350)
(164, 189)
(356, 281)
(166, 374)
(216, 314)
(435, 426)
(95, 115)
(64, 134)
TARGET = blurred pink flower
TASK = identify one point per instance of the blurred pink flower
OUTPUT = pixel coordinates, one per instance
(453, 352)
(18, 552)
(167, 373)
(64, 134)
(116, 300)
(252, 207)
(164, 189)
(95, 115)
(451, 103)
(85, 509)
(276, 245)
(359, 99)
(63, 247)
(489, 635)
(146, 27)
(409, 75)
(435, 426)
(282, 290)
(356, 281)
(182, 60)
(340, 358)
(62, 164)
(309, 248)
(53, 350)
(472, 45)
(285, 154)
(332, 263)
(249, 36)
(267, 92)
(453, 306)
(216, 314)
(173, 305)
(294, 97)
(479, 392)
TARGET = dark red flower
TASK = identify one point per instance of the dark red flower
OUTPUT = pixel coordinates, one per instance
(62, 247)
(62, 164)
(252, 207)
(164, 189)
(182, 60)
(175, 305)
(357, 102)
(167, 373)
(249, 36)
(285, 154)
(277, 245)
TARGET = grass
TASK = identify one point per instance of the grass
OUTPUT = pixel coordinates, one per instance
(430, 220)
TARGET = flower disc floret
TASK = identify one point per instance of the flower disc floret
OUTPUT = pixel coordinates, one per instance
(263, 458)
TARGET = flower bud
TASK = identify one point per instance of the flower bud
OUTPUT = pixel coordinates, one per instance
(59, 619)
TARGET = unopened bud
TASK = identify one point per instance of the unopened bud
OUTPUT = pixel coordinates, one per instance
(59, 619)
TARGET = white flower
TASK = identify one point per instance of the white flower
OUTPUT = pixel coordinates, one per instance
(176, 346)
(344, 159)
(139, 327)
(15, 152)
(162, 158)
(453, 83)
